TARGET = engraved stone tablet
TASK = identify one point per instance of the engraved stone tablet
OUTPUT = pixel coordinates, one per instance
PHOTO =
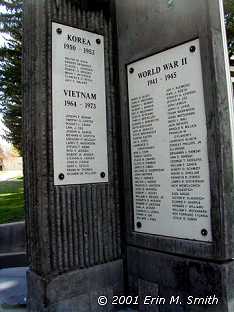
(79, 106)
(170, 171)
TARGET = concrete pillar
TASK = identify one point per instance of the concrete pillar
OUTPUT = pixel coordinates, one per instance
(73, 231)
(169, 265)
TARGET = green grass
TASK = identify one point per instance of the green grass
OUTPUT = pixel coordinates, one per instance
(11, 201)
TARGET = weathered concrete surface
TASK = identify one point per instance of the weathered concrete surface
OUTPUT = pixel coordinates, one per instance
(77, 290)
(149, 27)
(146, 28)
(156, 274)
(70, 228)
(76, 226)
(12, 237)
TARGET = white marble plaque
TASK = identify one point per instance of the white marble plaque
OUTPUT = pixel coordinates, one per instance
(170, 171)
(79, 106)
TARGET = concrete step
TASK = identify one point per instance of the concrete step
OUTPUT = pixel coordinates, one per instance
(12, 237)
(6, 308)
(13, 259)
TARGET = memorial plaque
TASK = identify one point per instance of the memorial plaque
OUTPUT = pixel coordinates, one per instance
(170, 171)
(79, 106)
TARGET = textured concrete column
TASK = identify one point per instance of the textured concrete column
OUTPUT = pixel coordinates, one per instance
(73, 232)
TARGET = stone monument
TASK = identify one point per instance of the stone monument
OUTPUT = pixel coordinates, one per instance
(177, 116)
(128, 135)
(71, 141)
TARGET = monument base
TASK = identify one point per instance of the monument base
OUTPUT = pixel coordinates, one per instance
(187, 285)
(77, 290)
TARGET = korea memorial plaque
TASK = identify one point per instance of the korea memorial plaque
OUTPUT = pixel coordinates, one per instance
(79, 106)
(170, 172)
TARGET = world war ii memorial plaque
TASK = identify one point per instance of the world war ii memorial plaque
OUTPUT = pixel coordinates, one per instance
(170, 172)
(79, 106)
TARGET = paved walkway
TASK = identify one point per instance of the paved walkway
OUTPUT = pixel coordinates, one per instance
(13, 290)
(8, 175)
